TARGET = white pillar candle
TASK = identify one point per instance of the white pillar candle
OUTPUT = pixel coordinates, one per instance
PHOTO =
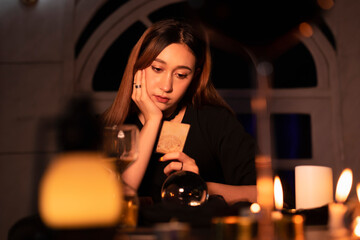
(313, 186)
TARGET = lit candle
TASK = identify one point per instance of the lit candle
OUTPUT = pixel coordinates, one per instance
(356, 227)
(278, 194)
(338, 209)
(356, 221)
(288, 226)
(313, 186)
(278, 199)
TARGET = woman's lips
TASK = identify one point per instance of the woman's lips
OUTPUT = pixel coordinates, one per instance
(162, 99)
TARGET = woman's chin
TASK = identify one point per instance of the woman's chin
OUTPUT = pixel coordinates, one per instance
(164, 109)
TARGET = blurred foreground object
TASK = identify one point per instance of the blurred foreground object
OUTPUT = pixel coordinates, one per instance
(78, 128)
(120, 146)
(172, 230)
(79, 190)
(265, 196)
(80, 187)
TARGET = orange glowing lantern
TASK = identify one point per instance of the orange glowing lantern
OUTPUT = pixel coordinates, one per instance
(80, 190)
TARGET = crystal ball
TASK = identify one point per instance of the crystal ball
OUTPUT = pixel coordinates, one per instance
(184, 188)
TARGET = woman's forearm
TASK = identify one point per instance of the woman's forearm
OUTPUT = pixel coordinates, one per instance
(233, 193)
(135, 172)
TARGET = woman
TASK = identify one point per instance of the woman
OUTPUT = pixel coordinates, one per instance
(167, 78)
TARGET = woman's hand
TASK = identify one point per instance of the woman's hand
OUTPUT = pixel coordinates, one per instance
(184, 162)
(141, 97)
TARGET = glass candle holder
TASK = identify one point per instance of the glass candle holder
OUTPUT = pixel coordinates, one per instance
(234, 228)
(288, 226)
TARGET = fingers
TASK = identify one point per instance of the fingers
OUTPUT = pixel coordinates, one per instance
(140, 96)
(183, 163)
(139, 93)
(174, 166)
(137, 84)
(180, 156)
(143, 84)
(136, 79)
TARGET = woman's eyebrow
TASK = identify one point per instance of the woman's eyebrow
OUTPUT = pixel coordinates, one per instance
(180, 66)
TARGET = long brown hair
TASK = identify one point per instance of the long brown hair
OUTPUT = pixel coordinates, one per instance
(157, 37)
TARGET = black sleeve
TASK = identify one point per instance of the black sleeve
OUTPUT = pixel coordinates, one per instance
(234, 147)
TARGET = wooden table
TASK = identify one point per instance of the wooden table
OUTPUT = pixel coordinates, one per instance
(311, 233)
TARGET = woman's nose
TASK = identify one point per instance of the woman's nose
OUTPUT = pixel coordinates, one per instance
(167, 83)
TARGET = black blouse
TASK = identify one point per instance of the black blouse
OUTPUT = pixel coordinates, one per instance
(223, 151)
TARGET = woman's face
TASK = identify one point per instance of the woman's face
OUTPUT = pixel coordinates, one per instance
(169, 75)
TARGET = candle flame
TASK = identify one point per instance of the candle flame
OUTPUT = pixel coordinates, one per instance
(358, 191)
(357, 227)
(344, 185)
(278, 193)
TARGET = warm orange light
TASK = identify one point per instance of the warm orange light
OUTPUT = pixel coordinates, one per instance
(357, 227)
(258, 104)
(255, 208)
(278, 194)
(325, 4)
(265, 188)
(264, 183)
(358, 191)
(80, 190)
(298, 219)
(344, 185)
(305, 29)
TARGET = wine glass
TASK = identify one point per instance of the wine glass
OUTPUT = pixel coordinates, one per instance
(120, 143)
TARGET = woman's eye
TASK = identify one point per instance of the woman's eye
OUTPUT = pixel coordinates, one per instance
(181, 76)
(156, 69)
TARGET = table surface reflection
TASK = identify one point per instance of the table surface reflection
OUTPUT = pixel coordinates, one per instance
(149, 233)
